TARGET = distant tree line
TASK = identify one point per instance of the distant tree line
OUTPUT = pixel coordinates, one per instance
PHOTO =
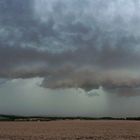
(36, 118)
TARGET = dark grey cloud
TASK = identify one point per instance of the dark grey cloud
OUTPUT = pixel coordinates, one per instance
(124, 91)
(72, 44)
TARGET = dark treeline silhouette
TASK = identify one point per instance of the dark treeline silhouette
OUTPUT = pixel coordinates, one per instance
(42, 118)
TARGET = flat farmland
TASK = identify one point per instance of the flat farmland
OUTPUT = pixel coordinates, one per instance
(70, 130)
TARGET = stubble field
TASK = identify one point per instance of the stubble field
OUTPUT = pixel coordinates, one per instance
(70, 130)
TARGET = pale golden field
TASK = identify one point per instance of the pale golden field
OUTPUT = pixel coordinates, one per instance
(70, 130)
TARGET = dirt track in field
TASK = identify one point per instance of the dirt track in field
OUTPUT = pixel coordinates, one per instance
(70, 130)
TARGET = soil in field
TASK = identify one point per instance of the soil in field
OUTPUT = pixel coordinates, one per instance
(70, 130)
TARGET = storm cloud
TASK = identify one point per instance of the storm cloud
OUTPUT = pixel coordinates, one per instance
(72, 44)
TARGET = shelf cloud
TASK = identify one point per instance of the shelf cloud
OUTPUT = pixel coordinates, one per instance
(72, 44)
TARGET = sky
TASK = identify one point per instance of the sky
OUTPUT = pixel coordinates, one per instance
(70, 57)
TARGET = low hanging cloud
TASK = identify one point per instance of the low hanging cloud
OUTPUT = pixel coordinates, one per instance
(59, 71)
(91, 45)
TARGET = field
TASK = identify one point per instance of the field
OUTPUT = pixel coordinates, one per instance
(70, 130)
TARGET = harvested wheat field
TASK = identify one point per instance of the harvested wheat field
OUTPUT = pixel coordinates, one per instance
(70, 130)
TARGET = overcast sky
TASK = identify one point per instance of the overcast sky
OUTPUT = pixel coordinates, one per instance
(70, 57)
